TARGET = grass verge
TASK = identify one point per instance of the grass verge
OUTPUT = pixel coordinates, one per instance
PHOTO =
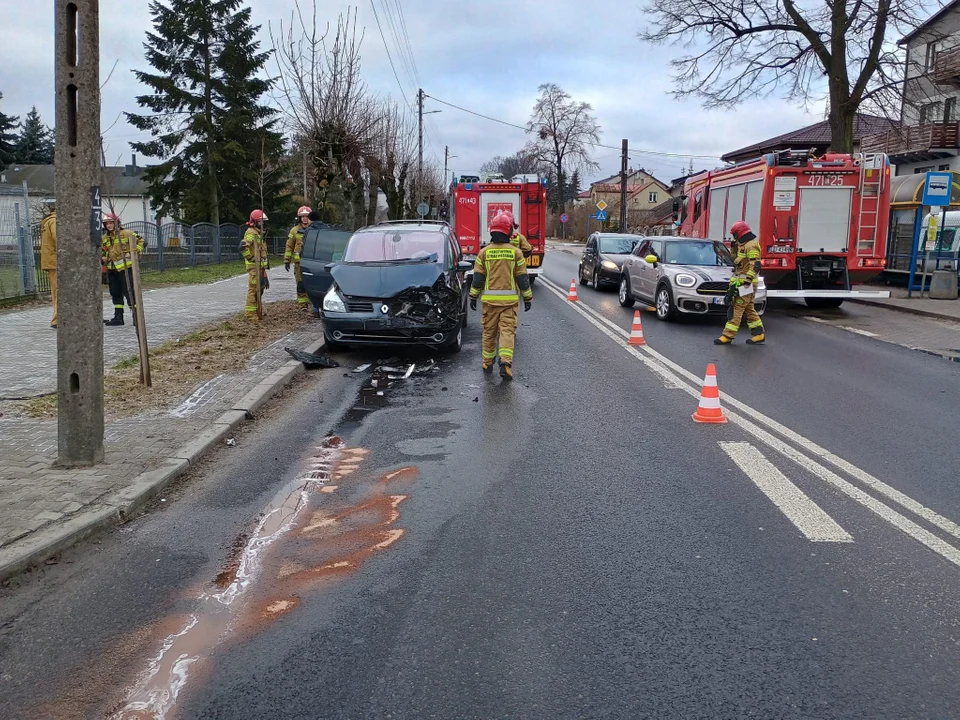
(177, 366)
(192, 276)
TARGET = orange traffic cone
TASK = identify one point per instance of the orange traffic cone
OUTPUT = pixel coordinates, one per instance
(709, 410)
(636, 332)
(572, 295)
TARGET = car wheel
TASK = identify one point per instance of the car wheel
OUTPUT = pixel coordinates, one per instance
(582, 279)
(665, 309)
(596, 280)
(815, 303)
(626, 299)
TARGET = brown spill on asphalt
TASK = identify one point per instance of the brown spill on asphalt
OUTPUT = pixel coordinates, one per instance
(301, 539)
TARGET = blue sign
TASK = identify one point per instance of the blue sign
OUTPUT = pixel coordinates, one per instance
(601, 215)
(564, 218)
(468, 186)
(937, 188)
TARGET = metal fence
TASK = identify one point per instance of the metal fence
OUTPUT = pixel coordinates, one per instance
(166, 247)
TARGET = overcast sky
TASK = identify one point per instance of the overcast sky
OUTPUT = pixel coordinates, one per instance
(488, 56)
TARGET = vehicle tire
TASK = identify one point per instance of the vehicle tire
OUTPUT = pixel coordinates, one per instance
(815, 303)
(454, 343)
(665, 308)
(580, 273)
(597, 283)
(532, 279)
(626, 299)
(333, 345)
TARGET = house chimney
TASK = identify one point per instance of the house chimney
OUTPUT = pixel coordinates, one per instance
(133, 164)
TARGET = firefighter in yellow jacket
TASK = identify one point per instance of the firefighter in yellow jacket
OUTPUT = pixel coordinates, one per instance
(519, 240)
(116, 260)
(294, 248)
(252, 246)
(743, 285)
(48, 253)
(499, 279)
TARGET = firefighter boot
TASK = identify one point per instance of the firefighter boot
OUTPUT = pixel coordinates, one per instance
(117, 318)
(487, 365)
(506, 371)
(723, 340)
(756, 339)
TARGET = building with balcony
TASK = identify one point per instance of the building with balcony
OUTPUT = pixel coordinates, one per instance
(929, 134)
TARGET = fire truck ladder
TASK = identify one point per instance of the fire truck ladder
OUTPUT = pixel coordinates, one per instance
(871, 182)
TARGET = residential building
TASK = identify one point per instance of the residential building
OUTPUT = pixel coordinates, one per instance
(928, 137)
(644, 192)
(815, 137)
(123, 189)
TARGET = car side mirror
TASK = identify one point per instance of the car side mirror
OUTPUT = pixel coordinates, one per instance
(464, 265)
(652, 259)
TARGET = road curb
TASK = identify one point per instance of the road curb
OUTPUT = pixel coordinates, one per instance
(124, 504)
(908, 310)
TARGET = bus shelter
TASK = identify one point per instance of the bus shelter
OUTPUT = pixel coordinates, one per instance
(908, 224)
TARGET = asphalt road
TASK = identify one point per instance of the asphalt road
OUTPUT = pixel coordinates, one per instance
(569, 545)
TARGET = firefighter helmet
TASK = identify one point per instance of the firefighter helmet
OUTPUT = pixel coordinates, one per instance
(739, 229)
(258, 216)
(304, 210)
(111, 217)
(502, 223)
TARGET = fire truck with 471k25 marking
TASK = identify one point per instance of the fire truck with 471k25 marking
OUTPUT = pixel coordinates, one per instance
(475, 201)
(821, 221)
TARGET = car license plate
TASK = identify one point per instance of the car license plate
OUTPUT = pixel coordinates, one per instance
(719, 301)
(533, 261)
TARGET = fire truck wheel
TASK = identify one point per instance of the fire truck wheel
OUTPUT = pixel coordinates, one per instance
(823, 303)
(533, 280)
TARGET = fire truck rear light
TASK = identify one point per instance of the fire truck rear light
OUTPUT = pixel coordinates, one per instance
(873, 262)
(773, 262)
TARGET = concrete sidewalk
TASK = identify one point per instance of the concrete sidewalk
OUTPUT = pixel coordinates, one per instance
(44, 508)
(28, 363)
(898, 300)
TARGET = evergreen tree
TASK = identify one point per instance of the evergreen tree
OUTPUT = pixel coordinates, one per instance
(215, 139)
(8, 138)
(35, 146)
(573, 187)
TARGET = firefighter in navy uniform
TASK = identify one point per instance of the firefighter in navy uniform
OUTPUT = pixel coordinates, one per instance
(499, 279)
(293, 250)
(745, 249)
(117, 262)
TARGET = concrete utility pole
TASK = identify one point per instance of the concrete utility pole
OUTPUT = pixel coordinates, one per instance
(420, 143)
(623, 188)
(80, 329)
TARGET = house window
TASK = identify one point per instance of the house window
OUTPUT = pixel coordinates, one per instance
(930, 113)
(950, 110)
(922, 170)
(944, 168)
(652, 197)
(931, 56)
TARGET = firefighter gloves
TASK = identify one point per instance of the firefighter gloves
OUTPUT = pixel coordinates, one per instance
(286, 266)
(527, 305)
(473, 303)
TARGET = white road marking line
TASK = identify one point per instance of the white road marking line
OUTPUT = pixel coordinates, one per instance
(803, 512)
(662, 366)
(858, 331)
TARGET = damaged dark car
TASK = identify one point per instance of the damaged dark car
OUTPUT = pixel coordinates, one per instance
(398, 284)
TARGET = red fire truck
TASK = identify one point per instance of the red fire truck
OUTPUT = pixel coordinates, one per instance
(821, 221)
(475, 201)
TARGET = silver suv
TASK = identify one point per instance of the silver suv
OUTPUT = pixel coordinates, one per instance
(681, 275)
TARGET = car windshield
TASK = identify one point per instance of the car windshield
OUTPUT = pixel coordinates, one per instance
(697, 253)
(394, 245)
(623, 245)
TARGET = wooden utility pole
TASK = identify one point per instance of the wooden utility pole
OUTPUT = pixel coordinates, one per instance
(623, 188)
(80, 327)
(137, 292)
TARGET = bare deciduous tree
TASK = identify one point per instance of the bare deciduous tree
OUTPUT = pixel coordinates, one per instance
(842, 50)
(520, 163)
(394, 156)
(564, 131)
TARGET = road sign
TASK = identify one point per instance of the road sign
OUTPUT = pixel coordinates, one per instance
(601, 215)
(937, 188)
(564, 218)
(423, 209)
(601, 206)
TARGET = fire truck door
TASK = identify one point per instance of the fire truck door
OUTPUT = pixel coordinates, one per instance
(824, 222)
(491, 204)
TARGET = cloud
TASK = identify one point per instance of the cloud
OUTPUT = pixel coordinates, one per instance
(487, 56)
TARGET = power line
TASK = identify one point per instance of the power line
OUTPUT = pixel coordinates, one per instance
(385, 47)
(600, 145)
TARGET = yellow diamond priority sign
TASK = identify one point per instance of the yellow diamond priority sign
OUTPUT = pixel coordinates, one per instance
(601, 205)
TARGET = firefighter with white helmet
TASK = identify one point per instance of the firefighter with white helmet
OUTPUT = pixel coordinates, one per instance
(254, 247)
(499, 279)
(118, 264)
(293, 250)
(743, 284)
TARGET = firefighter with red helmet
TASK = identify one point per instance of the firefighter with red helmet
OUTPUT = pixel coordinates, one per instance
(499, 279)
(518, 239)
(293, 250)
(253, 248)
(117, 263)
(745, 249)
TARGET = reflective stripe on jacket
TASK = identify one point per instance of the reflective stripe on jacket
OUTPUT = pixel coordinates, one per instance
(294, 244)
(115, 249)
(519, 240)
(251, 236)
(498, 273)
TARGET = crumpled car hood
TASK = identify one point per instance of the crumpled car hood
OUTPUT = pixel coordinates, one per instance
(384, 281)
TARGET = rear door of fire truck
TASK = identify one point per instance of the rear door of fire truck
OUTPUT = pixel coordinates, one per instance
(491, 205)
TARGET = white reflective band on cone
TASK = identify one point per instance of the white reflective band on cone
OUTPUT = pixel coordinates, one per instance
(710, 403)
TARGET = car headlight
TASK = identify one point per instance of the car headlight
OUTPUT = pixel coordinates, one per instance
(609, 265)
(333, 302)
(684, 280)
